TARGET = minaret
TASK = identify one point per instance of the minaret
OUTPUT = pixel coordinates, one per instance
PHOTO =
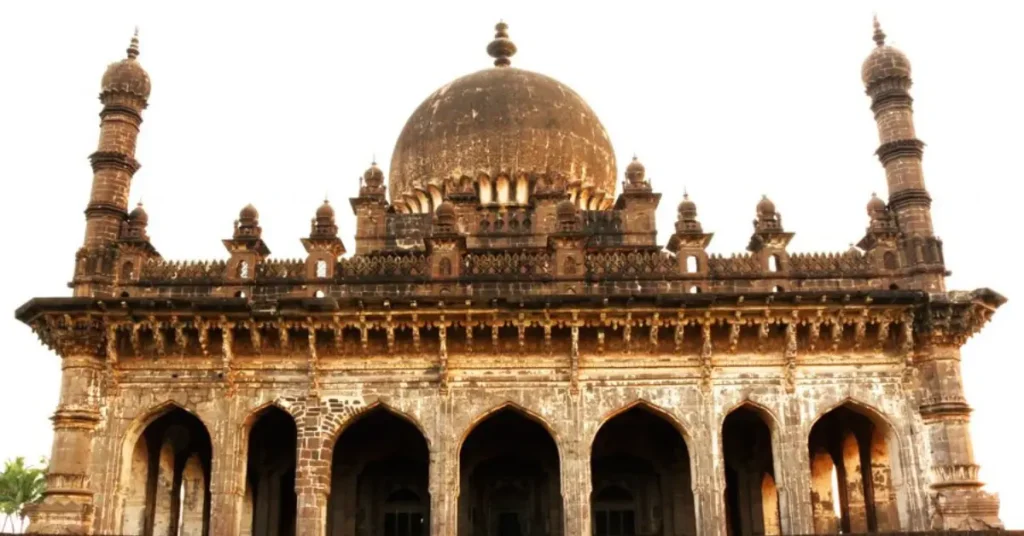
(886, 77)
(124, 93)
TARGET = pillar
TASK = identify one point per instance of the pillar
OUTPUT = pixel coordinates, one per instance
(770, 506)
(576, 486)
(822, 501)
(312, 473)
(444, 488)
(164, 498)
(856, 510)
(228, 474)
(958, 500)
(67, 505)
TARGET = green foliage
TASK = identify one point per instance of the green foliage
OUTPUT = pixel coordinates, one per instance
(20, 485)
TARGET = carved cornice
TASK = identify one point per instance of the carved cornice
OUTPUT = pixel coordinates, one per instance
(113, 160)
(892, 150)
(910, 196)
(952, 318)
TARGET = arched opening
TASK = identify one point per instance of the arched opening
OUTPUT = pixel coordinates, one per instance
(522, 190)
(640, 474)
(240, 294)
(444, 268)
(243, 270)
(853, 449)
(127, 271)
(777, 288)
(270, 475)
(774, 263)
(502, 187)
(485, 191)
(691, 264)
(510, 478)
(694, 289)
(321, 269)
(889, 260)
(319, 294)
(379, 478)
(751, 499)
(167, 486)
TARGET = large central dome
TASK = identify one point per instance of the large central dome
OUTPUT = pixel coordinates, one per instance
(502, 121)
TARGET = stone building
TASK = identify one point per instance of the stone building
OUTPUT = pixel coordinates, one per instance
(509, 351)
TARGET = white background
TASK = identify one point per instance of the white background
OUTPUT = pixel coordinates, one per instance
(278, 105)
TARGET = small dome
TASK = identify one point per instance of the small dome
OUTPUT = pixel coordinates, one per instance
(373, 176)
(875, 205)
(127, 75)
(635, 171)
(248, 213)
(765, 207)
(687, 209)
(138, 216)
(884, 61)
(325, 210)
(566, 210)
(445, 211)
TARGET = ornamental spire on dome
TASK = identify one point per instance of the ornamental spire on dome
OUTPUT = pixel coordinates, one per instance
(879, 35)
(133, 48)
(502, 48)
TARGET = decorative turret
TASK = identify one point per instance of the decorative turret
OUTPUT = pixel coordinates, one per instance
(689, 242)
(886, 77)
(882, 233)
(446, 245)
(134, 248)
(323, 245)
(124, 92)
(370, 209)
(246, 247)
(639, 199)
(770, 239)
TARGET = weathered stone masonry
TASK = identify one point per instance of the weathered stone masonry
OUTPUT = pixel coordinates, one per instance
(509, 351)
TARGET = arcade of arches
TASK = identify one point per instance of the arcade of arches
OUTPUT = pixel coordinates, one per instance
(510, 476)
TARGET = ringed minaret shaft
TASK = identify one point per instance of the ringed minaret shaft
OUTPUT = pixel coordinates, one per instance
(886, 76)
(124, 94)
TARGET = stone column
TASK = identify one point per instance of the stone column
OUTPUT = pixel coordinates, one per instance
(709, 474)
(67, 505)
(312, 473)
(957, 496)
(575, 478)
(227, 475)
(793, 472)
(444, 489)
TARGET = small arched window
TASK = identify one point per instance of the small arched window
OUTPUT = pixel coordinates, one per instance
(444, 268)
(319, 294)
(321, 268)
(691, 264)
(127, 271)
(243, 270)
(694, 289)
(570, 266)
(774, 263)
(777, 288)
(889, 260)
(240, 294)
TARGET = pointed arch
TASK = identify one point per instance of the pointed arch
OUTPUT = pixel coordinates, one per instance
(877, 416)
(646, 450)
(163, 455)
(766, 413)
(255, 413)
(372, 455)
(510, 473)
(863, 446)
(518, 408)
(752, 506)
(657, 410)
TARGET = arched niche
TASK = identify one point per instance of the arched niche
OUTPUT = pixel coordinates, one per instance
(164, 487)
(270, 502)
(641, 479)
(510, 477)
(853, 468)
(751, 497)
(379, 477)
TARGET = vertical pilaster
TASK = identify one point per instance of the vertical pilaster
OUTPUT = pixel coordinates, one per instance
(227, 477)
(575, 471)
(958, 499)
(793, 475)
(709, 472)
(312, 470)
(67, 505)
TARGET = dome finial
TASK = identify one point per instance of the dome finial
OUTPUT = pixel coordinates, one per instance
(502, 48)
(879, 36)
(133, 48)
